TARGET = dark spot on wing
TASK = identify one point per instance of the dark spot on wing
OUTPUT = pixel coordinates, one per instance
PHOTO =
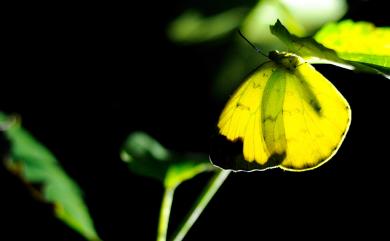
(316, 106)
(229, 155)
(241, 106)
(269, 118)
(256, 85)
(276, 159)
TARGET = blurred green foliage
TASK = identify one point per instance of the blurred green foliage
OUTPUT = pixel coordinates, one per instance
(38, 167)
(302, 17)
(146, 157)
(192, 27)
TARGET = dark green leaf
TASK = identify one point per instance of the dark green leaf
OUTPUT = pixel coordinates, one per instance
(146, 157)
(35, 164)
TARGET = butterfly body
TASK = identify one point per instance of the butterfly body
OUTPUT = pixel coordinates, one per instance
(285, 114)
(289, 61)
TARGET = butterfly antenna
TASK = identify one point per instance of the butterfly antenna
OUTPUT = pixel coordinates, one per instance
(251, 44)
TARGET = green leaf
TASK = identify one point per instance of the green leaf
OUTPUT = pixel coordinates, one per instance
(186, 168)
(357, 41)
(315, 52)
(193, 27)
(35, 164)
(146, 157)
(306, 47)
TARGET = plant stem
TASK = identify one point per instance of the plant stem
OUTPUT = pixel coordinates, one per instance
(208, 192)
(165, 211)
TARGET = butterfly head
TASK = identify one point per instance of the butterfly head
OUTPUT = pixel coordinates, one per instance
(288, 60)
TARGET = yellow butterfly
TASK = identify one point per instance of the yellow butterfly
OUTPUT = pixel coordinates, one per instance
(285, 114)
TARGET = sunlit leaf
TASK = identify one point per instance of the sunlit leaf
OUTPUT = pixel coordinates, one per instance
(315, 52)
(193, 27)
(36, 165)
(146, 157)
(306, 47)
(188, 167)
(357, 41)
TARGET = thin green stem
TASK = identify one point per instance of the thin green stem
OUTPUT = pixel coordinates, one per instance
(208, 192)
(165, 211)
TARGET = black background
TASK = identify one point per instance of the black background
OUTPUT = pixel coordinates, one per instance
(83, 76)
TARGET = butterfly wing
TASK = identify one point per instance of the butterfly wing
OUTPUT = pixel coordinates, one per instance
(295, 120)
(240, 144)
(316, 118)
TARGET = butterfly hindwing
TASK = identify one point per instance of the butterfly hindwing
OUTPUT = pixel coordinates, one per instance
(240, 144)
(317, 118)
